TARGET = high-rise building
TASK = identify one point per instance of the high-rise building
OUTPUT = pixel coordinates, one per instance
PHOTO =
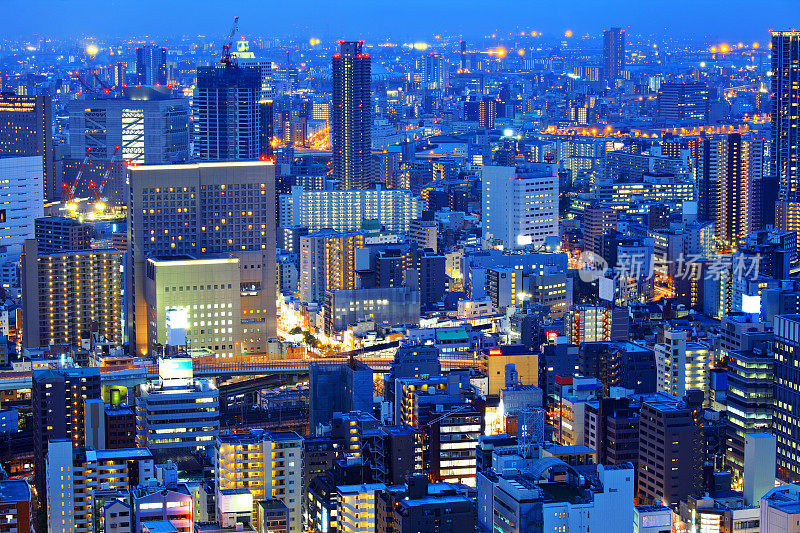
(21, 203)
(58, 398)
(613, 53)
(62, 234)
(151, 65)
(207, 292)
(66, 295)
(203, 210)
(338, 388)
(670, 451)
(26, 129)
(394, 209)
(228, 113)
(434, 71)
(728, 168)
(596, 221)
(520, 204)
(328, 263)
(351, 118)
(447, 412)
(145, 126)
(785, 421)
(681, 365)
(487, 112)
(785, 116)
(785, 113)
(267, 465)
(75, 474)
(750, 400)
(683, 102)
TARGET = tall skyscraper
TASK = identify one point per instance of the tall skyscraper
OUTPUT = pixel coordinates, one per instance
(57, 398)
(728, 169)
(613, 53)
(434, 71)
(26, 129)
(351, 128)
(487, 112)
(785, 117)
(228, 113)
(68, 294)
(683, 102)
(785, 421)
(151, 65)
(204, 210)
(785, 113)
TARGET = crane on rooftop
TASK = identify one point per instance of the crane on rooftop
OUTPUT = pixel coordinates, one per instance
(69, 190)
(227, 59)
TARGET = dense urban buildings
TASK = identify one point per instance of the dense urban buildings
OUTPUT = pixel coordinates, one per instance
(506, 279)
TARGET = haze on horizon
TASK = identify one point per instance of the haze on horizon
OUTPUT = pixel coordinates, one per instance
(411, 19)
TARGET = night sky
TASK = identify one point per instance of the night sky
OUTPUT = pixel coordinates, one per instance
(402, 19)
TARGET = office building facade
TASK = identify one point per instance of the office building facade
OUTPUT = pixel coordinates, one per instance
(66, 295)
(394, 209)
(151, 65)
(268, 465)
(520, 204)
(613, 53)
(228, 113)
(206, 210)
(26, 130)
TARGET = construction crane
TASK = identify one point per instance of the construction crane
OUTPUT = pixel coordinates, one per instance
(97, 192)
(103, 84)
(227, 59)
(69, 190)
(88, 89)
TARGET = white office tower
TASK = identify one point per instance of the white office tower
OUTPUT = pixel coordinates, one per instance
(177, 413)
(22, 198)
(520, 204)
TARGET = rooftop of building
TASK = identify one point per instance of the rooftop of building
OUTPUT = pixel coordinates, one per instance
(257, 436)
(120, 453)
(509, 349)
(14, 490)
(57, 373)
(272, 504)
(652, 509)
(159, 526)
(146, 490)
(360, 489)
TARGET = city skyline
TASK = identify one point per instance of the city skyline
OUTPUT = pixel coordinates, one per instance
(355, 20)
